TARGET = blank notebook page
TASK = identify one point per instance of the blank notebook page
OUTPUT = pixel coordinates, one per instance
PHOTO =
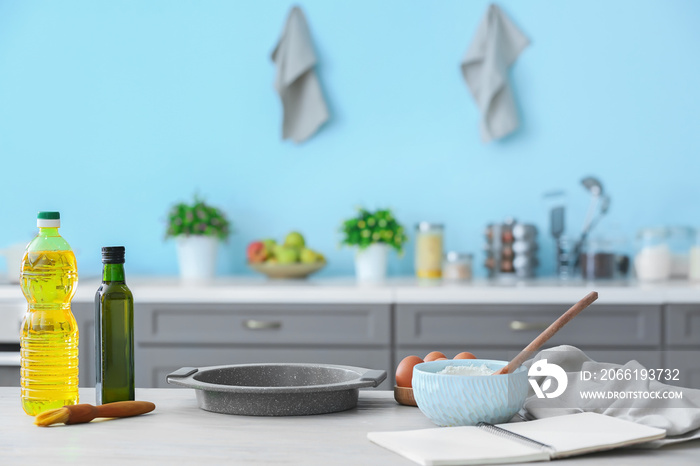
(585, 432)
(446, 446)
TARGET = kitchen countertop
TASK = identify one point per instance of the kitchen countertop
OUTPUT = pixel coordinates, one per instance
(178, 432)
(393, 291)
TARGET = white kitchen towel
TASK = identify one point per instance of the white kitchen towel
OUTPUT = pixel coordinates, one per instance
(496, 45)
(679, 417)
(296, 82)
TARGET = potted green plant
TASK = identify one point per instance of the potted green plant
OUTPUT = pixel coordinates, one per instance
(197, 228)
(373, 233)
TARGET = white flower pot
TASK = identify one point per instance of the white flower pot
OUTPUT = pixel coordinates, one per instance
(371, 263)
(196, 257)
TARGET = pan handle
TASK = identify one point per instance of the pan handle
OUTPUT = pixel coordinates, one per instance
(375, 376)
(181, 372)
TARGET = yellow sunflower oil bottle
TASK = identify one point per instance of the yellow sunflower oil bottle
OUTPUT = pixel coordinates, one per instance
(49, 335)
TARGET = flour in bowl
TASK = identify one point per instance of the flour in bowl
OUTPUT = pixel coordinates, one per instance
(481, 369)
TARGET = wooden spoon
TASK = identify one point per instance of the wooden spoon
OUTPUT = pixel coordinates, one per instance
(77, 414)
(548, 333)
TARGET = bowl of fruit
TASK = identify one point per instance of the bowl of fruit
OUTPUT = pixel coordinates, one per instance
(290, 259)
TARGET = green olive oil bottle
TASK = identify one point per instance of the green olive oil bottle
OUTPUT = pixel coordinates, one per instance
(114, 331)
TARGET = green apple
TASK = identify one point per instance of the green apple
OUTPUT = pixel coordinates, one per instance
(307, 256)
(295, 240)
(286, 255)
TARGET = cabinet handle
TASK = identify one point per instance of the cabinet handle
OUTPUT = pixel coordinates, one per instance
(261, 324)
(519, 326)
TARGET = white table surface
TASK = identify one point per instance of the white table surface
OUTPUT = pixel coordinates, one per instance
(394, 291)
(178, 432)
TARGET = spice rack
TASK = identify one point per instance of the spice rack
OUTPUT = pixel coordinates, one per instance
(511, 249)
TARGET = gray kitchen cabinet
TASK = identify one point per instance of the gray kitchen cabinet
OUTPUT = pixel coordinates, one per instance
(648, 358)
(85, 317)
(263, 324)
(686, 364)
(683, 325)
(170, 336)
(651, 359)
(450, 351)
(495, 325)
(9, 376)
(683, 343)
(378, 336)
(609, 333)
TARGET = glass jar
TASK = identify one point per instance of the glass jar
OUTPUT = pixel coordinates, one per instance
(429, 240)
(653, 259)
(680, 240)
(457, 266)
(694, 269)
(598, 260)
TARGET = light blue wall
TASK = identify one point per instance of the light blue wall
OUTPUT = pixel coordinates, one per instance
(112, 111)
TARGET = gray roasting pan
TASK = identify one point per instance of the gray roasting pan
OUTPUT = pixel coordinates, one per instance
(276, 389)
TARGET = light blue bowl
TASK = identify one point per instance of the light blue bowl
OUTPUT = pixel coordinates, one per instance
(463, 400)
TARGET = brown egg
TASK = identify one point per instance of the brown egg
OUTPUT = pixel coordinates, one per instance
(465, 355)
(404, 372)
(433, 356)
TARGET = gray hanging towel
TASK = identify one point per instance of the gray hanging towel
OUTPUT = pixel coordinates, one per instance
(493, 50)
(296, 81)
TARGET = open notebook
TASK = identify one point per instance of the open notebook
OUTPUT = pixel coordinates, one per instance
(540, 440)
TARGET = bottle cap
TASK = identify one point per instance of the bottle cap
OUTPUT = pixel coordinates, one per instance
(113, 254)
(45, 219)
